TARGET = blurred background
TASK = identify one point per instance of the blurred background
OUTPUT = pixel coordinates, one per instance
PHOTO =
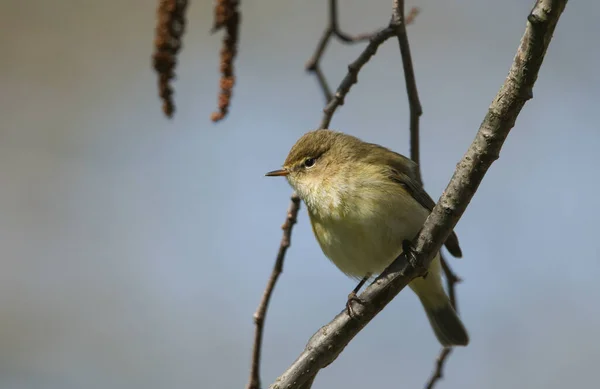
(134, 249)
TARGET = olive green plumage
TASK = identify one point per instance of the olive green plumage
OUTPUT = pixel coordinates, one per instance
(364, 200)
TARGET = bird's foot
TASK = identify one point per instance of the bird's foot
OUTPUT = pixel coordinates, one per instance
(408, 250)
(352, 297)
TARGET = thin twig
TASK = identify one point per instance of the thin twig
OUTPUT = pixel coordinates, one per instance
(261, 311)
(439, 367)
(334, 24)
(451, 280)
(351, 77)
(326, 345)
(323, 83)
(399, 22)
(375, 40)
(313, 65)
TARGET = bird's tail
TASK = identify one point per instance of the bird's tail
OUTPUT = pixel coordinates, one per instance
(446, 324)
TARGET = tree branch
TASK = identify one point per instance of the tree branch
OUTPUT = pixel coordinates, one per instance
(375, 40)
(313, 65)
(398, 21)
(332, 30)
(451, 281)
(327, 343)
(351, 77)
(261, 311)
(439, 367)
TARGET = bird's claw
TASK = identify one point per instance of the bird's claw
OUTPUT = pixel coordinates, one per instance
(352, 297)
(407, 248)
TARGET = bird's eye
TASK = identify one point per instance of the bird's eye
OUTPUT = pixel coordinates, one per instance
(309, 162)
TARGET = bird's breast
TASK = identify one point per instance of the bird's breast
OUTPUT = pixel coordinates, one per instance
(362, 231)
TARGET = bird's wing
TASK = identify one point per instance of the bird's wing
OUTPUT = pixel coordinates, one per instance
(419, 194)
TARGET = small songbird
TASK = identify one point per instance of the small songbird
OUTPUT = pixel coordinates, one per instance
(364, 201)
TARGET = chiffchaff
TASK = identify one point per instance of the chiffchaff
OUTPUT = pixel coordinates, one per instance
(364, 201)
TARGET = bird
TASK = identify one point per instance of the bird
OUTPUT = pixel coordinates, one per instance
(364, 202)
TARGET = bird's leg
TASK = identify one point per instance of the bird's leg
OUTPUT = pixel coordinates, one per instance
(410, 255)
(353, 297)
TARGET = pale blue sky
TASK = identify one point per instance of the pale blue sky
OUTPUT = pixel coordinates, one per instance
(134, 249)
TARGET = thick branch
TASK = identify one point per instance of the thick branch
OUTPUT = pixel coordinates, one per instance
(261, 311)
(327, 343)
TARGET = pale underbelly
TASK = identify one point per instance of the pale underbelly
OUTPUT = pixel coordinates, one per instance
(359, 249)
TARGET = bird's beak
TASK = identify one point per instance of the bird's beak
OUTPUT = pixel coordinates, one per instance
(275, 173)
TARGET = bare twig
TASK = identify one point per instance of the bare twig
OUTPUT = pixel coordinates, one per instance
(375, 40)
(325, 345)
(261, 311)
(398, 21)
(167, 43)
(451, 280)
(439, 367)
(227, 16)
(351, 77)
(333, 30)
